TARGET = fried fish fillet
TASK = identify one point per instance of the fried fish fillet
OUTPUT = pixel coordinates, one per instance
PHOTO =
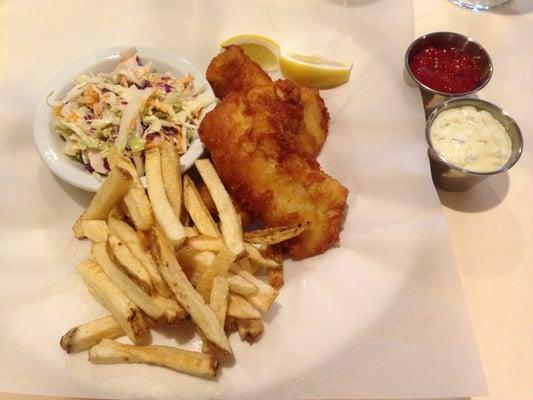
(233, 71)
(252, 141)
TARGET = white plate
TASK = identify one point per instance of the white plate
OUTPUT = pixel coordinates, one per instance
(48, 142)
(380, 316)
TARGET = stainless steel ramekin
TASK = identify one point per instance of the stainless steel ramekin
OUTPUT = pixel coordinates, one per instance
(454, 178)
(458, 41)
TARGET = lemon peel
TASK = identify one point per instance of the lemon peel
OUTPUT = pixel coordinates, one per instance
(306, 69)
(312, 70)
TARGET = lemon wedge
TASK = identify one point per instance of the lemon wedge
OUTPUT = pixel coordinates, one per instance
(312, 70)
(306, 69)
(261, 49)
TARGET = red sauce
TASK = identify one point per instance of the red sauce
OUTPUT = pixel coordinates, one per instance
(447, 69)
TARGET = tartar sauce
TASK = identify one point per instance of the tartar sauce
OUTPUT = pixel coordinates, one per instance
(471, 139)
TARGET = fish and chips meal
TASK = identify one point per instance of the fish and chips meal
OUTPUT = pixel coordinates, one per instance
(182, 248)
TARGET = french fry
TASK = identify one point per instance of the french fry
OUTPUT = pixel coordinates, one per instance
(218, 302)
(207, 199)
(194, 263)
(148, 266)
(109, 194)
(219, 298)
(170, 168)
(250, 329)
(78, 229)
(202, 219)
(159, 308)
(135, 200)
(275, 235)
(238, 307)
(265, 295)
(189, 362)
(256, 257)
(275, 277)
(124, 311)
(95, 230)
(207, 243)
(85, 336)
(191, 231)
(245, 264)
(246, 217)
(119, 211)
(275, 252)
(128, 264)
(239, 285)
(203, 316)
(219, 267)
(230, 222)
(129, 236)
(163, 212)
(230, 325)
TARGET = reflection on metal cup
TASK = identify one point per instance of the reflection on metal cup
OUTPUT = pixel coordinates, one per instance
(480, 5)
(451, 177)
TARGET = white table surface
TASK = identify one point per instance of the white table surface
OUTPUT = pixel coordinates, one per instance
(491, 226)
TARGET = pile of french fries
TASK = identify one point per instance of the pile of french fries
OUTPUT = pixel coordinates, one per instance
(160, 256)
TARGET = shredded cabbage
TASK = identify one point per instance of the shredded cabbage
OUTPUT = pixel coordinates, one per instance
(132, 108)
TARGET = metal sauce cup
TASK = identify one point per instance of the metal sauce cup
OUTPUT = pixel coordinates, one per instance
(454, 178)
(433, 97)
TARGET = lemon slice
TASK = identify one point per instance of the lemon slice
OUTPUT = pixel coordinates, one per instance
(312, 70)
(261, 49)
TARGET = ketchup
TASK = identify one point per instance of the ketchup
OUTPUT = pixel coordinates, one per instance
(447, 69)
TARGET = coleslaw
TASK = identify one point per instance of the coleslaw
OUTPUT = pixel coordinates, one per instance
(132, 108)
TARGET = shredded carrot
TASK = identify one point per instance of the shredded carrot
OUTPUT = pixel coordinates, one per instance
(185, 79)
(133, 123)
(161, 106)
(91, 94)
(98, 109)
(72, 117)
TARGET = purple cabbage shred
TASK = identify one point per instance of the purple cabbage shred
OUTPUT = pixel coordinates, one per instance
(151, 136)
(169, 130)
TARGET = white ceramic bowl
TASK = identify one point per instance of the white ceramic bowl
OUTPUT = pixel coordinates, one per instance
(50, 145)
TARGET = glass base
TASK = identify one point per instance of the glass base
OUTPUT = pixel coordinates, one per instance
(479, 5)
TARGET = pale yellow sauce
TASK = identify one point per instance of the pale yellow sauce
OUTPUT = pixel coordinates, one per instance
(471, 139)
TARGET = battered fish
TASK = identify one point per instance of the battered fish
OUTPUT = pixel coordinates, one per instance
(233, 71)
(253, 145)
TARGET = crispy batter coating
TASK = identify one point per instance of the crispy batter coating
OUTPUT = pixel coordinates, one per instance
(255, 149)
(313, 130)
(233, 71)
